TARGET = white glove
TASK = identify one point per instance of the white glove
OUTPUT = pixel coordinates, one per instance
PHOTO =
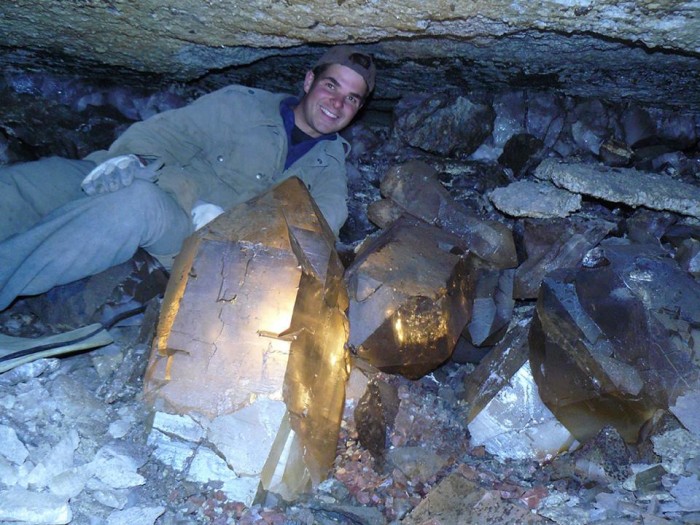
(204, 212)
(117, 173)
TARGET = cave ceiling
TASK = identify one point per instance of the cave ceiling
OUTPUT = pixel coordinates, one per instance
(645, 52)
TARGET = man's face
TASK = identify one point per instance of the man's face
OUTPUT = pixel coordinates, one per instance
(330, 101)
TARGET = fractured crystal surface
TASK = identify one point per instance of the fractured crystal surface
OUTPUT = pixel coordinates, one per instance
(251, 343)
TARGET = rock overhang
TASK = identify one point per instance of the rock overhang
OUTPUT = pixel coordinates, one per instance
(643, 52)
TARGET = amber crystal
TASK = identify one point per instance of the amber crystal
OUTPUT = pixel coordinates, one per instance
(251, 340)
(410, 298)
(613, 341)
(415, 187)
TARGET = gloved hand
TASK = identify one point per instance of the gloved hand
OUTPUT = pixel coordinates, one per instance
(204, 212)
(117, 173)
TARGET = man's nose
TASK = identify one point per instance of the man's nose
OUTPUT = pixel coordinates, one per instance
(337, 101)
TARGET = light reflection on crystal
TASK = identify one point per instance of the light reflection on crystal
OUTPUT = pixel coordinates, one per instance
(254, 316)
(409, 319)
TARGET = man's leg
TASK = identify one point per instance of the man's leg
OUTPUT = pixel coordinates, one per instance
(30, 190)
(89, 235)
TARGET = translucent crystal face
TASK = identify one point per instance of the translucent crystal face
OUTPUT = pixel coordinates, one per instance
(611, 344)
(252, 340)
(408, 299)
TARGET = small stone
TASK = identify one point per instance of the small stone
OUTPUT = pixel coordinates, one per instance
(116, 468)
(140, 515)
(649, 480)
(20, 505)
(12, 448)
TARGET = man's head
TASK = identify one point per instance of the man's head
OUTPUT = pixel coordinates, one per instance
(361, 63)
(334, 91)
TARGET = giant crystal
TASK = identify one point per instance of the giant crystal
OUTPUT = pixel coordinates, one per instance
(410, 297)
(251, 349)
(616, 339)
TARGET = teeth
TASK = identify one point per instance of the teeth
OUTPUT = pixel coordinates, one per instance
(331, 115)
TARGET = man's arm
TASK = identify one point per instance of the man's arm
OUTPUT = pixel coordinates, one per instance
(171, 137)
(184, 141)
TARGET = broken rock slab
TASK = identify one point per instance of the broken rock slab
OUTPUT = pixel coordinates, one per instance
(616, 340)
(625, 185)
(539, 200)
(409, 298)
(250, 349)
(415, 187)
(506, 414)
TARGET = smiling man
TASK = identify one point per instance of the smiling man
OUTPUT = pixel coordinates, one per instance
(163, 178)
(334, 92)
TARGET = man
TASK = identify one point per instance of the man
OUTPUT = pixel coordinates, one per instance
(62, 220)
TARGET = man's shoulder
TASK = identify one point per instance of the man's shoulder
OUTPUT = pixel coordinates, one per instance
(245, 103)
(339, 148)
(248, 93)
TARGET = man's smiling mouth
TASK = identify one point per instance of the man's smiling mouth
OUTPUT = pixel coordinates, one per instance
(329, 113)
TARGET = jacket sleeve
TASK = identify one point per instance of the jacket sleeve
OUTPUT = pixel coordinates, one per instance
(181, 139)
(173, 136)
(328, 186)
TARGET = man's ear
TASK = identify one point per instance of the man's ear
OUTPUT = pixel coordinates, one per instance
(308, 81)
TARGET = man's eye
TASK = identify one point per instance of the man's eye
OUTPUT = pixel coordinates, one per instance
(353, 100)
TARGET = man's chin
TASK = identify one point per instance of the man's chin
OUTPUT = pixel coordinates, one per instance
(327, 126)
